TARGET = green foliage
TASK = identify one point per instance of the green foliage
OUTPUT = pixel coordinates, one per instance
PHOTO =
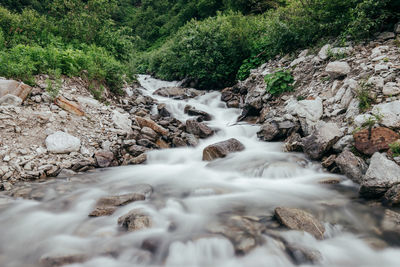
(364, 97)
(279, 82)
(53, 88)
(395, 148)
(2, 40)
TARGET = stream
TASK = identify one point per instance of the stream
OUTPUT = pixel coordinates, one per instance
(190, 197)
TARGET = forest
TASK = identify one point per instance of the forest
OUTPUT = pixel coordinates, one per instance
(211, 42)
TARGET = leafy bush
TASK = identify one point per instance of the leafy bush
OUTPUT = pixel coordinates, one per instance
(210, 51)
(2, 40)
(279, 82)
(395, 148)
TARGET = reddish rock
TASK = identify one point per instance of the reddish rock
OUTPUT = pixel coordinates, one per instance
(222, 149)
(198, 128)
(14, 88)
(377, 141)
(69, 106)
(143, 122)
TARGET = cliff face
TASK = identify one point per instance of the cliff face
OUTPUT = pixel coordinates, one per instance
(345, 108)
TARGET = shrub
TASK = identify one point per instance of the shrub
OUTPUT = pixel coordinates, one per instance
(395, 148)
(2, 40)
(279, 82)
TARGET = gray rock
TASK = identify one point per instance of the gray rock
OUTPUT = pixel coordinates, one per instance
(381, 175)
(338, 69)
(377, 81)
(122, 121)
(397, 28)
(10, 100)
(198, 128)
(222, 149)
(351, 166)
(310, 109)
(324, 136)
(268, 131)
(178, 92)
(390, 113)
(293, 143)
(135, 220)
(150, 133)
(392, 196)
(296, 219)
(61, 142)
(323, 53)
(391, 89)
(191, 111)
(344, 143)
(386, 35)
(104, 158)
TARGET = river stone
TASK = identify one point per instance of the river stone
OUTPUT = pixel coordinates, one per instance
(338, 69)
(381, 175)
(351, 166)
(178, 92)
(104, 158)
(15, 88)
(268, 131)
(198, 128)
(296, 219)
(222, 149)
(61, 260)
(324, 136)
(122, 121)
(191, 111)
(392, 196)
(61, 142)
(390, 114)
(391, 225)
(293, 143)
(135, 220)
(10, 100)
(144, 122)
(379, 140)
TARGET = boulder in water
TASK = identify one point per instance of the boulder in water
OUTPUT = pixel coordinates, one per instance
(178, 92)
(134, 220)
(296, 219)
(222, 149)
(351, 166)
(191, 111)
(198, 128)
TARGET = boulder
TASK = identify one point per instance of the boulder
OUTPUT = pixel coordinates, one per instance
(390, 114)
(144, 122)
(390, 225)
(296, 219)
(268, 131)
(69, 106)
(198, 128)
(386, 36)
(178, 92)
(61, 142)
(11, 87)
(392, 196)
(135, 220)
(222, 149)
(309, 109)
(323, 53)
(338, 69)
(293, 143)
(191, 111)
(397, 28)
(104, 158)
(10, 100)
(122, 121)
(351, 166)
(322, 138)
(381, 175)
(375, 141)
(391, 89)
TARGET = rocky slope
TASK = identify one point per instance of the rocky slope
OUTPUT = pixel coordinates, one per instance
(344, 111)
(43, 136)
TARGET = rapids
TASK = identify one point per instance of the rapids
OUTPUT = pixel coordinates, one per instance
(190, 194)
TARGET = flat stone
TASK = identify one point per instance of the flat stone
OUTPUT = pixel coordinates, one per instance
(296, 219)
(351, 166)
(195, 112)
(377, 141)
(391, 89)
(386, 35)
(69, 106)
(135, 220)
(144, 122)
(310, 109)
(61, 142)
(222, 149)
(381, 175)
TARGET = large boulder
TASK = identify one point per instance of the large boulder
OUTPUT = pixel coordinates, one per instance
(322, 138)
(198, 128)
(11, 87)
(10, 100)
(222, 149)
(376, 140)
(390, 113)
(296, 219)
(178, 92)
(381, 175)
(351, 166)
(271, 131)
(338, 69)
(311, 110)
(61, 142)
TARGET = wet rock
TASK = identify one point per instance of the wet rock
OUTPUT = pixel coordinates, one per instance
(302, 255)
(386, 36)
(195, 112)
(324, 136)
(162, 144)
(391, 225)
(69, 106)
(61, 260)
(328, 162)
(178, 142)
(338, 69)
(136, 150)
(268, 131)
(15, 88)
(10, 100)
(65, 173)
(143, 122)
(198, 128)
(351, 166)
(222, 149)
(376, 140)
(392, 196)
(178, 92)
(104, 158)
(135, 220)
(102, 211)
(61, 142)
(296, 219)
(390, 113)
(148, 132)
(293, 143)
(381, 175)
(138, 160)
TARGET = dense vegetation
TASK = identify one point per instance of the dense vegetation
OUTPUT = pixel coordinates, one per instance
(212, 42)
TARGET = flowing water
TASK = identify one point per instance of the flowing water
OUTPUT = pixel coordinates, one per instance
(189, 196)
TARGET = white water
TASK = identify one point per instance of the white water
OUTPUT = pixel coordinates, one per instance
(191, 194)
